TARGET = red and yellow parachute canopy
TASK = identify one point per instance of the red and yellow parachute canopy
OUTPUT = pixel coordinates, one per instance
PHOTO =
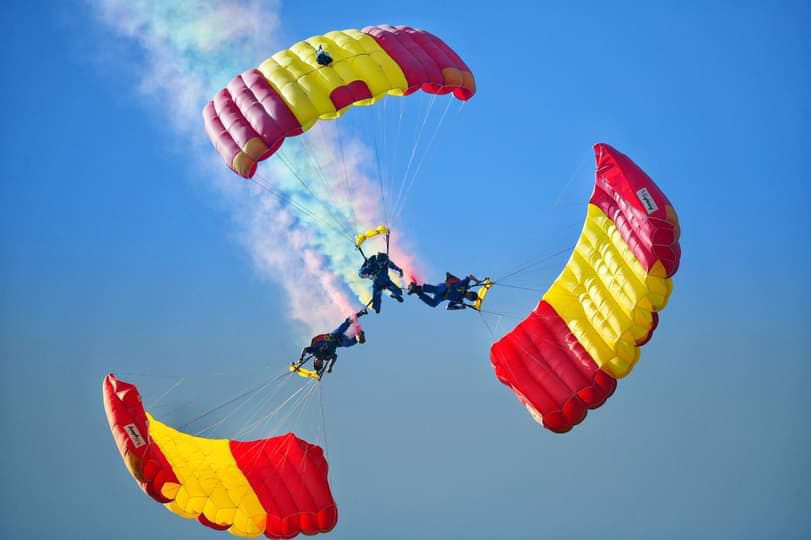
(277, 486)
(249, 119)
(585, 333)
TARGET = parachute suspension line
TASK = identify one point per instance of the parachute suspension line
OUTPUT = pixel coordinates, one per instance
(414, 151)
(497, 314)
(324, 182)
(287, 200)
(292, 402)
(261, 409)
(284, 198)
(545, 258)
(395, 153)
(579, 172)
(311, 156)
(260, 450)
(350, 195)
(297, 411)
(233, 400)
(386, 151)
(487, 325)
(337, 221)
(379, 168)
(226, 417)
(425, 153)
(256, 421)
(500, 284)
(322, 432)
(155, 403)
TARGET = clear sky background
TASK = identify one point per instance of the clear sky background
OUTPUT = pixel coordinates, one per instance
(118, 254)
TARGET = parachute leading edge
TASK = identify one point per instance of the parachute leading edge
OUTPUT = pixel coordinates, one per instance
(585, 333)
(276, 486)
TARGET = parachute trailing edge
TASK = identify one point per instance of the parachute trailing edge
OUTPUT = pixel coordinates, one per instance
(248, 120)
(585, 333)
(275, 487)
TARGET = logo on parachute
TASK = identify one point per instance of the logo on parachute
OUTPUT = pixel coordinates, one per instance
(647, 200)
(135, 435)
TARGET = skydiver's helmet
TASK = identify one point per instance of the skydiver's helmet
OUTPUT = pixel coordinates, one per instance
(322, 57)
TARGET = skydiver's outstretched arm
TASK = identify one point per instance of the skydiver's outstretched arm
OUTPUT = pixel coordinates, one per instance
(395, 267)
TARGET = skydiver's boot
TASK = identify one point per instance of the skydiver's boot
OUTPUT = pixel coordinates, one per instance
(362, 337)
(413, 288)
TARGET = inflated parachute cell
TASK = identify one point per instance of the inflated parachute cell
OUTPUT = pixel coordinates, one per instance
(585, 333)
(249, 119)
(277, 486)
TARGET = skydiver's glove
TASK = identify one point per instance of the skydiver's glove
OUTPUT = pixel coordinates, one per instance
(400, 271)
(361, 313)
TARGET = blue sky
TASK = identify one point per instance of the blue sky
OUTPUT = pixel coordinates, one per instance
(119, 253)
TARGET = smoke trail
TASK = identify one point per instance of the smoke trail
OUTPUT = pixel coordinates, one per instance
(298, 218)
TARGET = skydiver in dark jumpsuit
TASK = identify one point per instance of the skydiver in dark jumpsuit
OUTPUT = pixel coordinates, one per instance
(323, 57)
(453, 289)
(322, 347)
(377, 268)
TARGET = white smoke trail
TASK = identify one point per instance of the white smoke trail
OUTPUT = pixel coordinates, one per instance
(192, 48)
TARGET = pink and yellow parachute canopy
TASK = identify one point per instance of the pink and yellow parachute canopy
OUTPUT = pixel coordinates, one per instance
(248, 120)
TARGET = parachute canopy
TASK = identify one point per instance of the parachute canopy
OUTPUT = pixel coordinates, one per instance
(585, 333)
(249, 119)
(371, 233)
(276, 486)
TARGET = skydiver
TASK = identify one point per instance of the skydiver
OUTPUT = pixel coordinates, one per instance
(377, 268)
(453, 289)
(322, 347)
(323, 57)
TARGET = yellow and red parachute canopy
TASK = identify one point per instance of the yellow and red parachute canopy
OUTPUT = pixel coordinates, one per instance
(276, 486)
(249, 119)
(585, 333)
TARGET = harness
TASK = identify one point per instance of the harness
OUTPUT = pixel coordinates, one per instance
(454, 284)
(322, 346)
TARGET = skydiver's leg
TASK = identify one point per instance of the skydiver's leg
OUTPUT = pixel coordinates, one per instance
(377, 291)
(395, 291)
(432, 301)
(437, 294)
(342, 328)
